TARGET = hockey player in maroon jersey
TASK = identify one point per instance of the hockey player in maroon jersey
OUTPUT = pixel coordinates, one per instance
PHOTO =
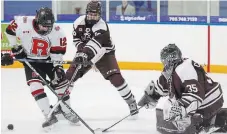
(91, 37)
(41, 39)
(194, 101)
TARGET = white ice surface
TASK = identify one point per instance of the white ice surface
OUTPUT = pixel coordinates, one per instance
(93, 98)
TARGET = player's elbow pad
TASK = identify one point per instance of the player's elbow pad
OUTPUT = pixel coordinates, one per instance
(10, 32)
(97, 50)
(12, 39)
(99, 55)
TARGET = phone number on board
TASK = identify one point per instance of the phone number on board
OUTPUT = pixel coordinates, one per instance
(183, 19)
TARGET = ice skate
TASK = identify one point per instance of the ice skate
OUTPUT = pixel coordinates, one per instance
(73, 119)
(48, 124)
(133, 110)
(57, 111)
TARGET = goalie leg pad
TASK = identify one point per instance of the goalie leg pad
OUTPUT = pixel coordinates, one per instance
(168, 127)
(221, 120)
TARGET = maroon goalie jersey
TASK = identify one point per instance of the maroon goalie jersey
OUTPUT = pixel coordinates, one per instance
(191, 83)
(94, 37)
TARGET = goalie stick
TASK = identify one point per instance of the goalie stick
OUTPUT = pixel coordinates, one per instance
(104, 130)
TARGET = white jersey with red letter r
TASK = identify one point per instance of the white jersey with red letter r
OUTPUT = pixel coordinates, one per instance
(39, 46)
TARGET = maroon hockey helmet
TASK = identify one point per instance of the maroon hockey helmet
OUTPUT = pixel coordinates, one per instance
(170, 57)
(93, 12)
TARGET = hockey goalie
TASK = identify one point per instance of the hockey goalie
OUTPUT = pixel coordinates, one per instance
(194, 101)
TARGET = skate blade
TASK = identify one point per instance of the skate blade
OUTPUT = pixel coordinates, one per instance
(74, 124)
(48, 129)
(133, 117)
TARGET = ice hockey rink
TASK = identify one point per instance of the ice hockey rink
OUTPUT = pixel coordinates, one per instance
(93, 98)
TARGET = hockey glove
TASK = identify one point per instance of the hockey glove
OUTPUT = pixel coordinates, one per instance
(80, 47)
(150, 97)
(6, 59)
(148, 101)
(82, 58)
(59, 75)
(18, 52)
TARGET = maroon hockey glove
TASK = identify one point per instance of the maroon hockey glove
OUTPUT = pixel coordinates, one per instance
(6, 59)
(82, 58)
(80, 47)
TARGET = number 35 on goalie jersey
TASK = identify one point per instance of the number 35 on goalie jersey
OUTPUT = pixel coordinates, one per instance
(37, 46)
(191, 83)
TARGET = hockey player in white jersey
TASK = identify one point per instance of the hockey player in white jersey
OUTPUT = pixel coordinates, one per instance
(194, 101)
(41, 39)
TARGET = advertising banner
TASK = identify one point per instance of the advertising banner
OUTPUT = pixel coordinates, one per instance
(5, 47)
(139, 18)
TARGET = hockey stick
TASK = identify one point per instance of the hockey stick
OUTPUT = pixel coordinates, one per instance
(60, 98)
(49, 61)
(71, 110)
(104, 130)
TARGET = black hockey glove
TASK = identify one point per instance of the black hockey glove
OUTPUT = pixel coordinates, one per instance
(82, 58)
(59, 75)
(6, 59)
(18, 52)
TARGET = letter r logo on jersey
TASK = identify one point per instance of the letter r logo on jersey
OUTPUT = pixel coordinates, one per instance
(40, 47)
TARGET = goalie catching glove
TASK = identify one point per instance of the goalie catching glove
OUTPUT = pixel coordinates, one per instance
(150, 97)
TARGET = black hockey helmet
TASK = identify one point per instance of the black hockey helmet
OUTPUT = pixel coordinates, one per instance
(93, 12)
(45, 20)
(171, 56)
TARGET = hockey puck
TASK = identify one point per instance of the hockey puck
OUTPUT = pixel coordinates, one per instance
(98, 131)
(10, 127)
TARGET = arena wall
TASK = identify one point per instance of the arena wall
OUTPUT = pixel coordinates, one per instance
(138, 45)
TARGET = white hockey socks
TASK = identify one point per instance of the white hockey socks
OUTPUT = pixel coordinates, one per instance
(37, 91)
(60, 91)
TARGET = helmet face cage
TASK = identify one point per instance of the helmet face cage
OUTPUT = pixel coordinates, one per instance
(170, 57)
(93, 16)
(93, 12)
(45, 20)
